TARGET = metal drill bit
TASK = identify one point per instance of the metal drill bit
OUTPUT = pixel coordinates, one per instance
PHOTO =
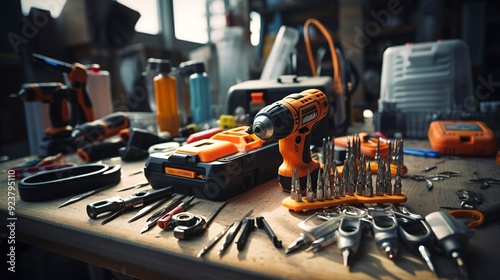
(319, 187)
(327, 186)
(345, 176)
(360, 183)
(352, 174)
(309, 188)
(298, 191)
(401, 156)
(380, 180)
(368, 182)
(397, 181)
(387, 181)
(293, 194)
(336, 182)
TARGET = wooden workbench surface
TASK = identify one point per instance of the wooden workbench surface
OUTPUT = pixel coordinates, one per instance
(119, 246)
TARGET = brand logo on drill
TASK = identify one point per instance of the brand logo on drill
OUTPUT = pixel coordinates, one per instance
(309, 114)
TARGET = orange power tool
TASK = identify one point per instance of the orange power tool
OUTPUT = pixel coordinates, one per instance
(54, 94)
(79, 99)
(290, 121)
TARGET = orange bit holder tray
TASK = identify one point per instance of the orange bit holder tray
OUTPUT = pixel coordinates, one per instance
(304, 205)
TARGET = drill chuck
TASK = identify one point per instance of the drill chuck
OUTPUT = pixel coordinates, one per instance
(275, 121)
(263, 127)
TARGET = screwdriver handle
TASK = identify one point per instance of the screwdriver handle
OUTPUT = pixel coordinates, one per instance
(164, 221)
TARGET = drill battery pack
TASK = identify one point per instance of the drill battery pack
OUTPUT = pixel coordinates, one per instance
(254, 95)
(227, 164)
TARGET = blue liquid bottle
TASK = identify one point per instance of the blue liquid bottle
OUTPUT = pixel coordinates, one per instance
(199, 90)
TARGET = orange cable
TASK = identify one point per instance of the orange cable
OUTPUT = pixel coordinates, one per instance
(337, 84)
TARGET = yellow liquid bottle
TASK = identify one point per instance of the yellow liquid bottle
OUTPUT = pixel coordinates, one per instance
(167, 108)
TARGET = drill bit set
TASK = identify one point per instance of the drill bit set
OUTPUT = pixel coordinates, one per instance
(351, 182)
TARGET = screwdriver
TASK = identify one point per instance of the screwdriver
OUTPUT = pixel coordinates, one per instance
(164, 221)
(232, 233)
(153, 219)
(451, 236)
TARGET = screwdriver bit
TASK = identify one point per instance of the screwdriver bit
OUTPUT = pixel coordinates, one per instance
(397, 180)
(319, 187)
(360, 182)
(336, 182)
(323, 241)
(379, 181)
(293, 194)
(309, 189)
(387, 179)
(368, 182)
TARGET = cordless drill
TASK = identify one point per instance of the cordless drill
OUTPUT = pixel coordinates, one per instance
(54, 94)
(79, 99)
(290, 121)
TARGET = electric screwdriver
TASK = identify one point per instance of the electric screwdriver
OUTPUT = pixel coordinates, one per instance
(290, 121)
(54, 94)
(79, 99)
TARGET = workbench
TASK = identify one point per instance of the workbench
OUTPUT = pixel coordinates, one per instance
(156, 254)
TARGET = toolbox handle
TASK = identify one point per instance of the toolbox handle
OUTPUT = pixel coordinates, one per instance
(288, 79)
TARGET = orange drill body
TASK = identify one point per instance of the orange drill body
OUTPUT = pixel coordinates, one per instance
(290, 121)
(56, 95)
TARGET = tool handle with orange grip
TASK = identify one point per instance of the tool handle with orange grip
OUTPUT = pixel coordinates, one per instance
(102, 128)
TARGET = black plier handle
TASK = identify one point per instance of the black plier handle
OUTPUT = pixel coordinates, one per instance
(116, 205)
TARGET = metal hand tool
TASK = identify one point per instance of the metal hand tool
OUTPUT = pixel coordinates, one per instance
(186, 227)
(451, 237)
(212, 242)
(83, 195)
(436, 177)
(232, 233)
(148, 208)
(384, 228)
(247, 225)
(134, 186)
(350, 229)
(115, 206)
(263, 224)
(313, 232)
(164, 221)
(153, 219)
(417, 236)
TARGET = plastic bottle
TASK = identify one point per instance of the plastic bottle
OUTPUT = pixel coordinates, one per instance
(167, 108)
(99, 89)
(199, 89)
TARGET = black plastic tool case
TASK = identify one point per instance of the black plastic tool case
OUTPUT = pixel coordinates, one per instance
(217, 180)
